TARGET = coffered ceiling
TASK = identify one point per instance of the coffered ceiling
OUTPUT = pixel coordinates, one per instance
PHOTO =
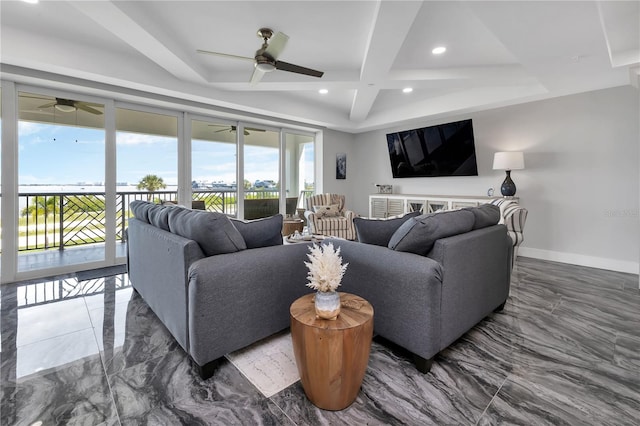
(498, 53)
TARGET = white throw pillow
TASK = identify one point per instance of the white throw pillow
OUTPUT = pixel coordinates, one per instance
(327, 211)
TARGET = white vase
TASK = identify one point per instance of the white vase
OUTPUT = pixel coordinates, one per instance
(327, 305)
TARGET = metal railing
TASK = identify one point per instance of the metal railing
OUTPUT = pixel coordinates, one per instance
(31, 294)
(60, 220)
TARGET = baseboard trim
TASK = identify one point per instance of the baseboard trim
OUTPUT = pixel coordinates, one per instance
(581, 259)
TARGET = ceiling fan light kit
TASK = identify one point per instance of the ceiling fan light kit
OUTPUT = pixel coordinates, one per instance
(65, 108)
(266, 58)
(68, 105)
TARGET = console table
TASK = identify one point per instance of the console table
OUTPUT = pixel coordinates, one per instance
(384, 205)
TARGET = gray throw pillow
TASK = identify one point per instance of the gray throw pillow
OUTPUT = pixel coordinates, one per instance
(260, 232)
(379, 231)
(140, 209)
(159, 215)
(485, 215)
(419, 234)
(214, 232)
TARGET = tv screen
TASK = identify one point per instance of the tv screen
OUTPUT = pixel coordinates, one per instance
(442, 150)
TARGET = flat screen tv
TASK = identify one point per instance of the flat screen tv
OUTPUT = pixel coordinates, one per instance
(442, 150)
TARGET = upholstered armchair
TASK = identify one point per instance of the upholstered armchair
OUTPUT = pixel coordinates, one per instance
(326, 215)
(514, 217)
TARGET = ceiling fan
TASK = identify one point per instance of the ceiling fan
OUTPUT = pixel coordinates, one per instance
(266, 58)
(233, 129)
(68, 105)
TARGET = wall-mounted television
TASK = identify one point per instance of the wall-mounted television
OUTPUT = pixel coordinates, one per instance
(442, 150)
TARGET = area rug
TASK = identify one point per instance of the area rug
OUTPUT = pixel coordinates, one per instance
(269, 364)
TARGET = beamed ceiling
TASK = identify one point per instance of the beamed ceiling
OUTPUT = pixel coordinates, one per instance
(498, 53)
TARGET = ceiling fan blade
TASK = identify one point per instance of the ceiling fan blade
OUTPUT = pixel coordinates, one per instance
(222, 130)
(26, 95)
(285, 66)
(87, 108)
(255, 130)
(256, 76)
(48, 105)
(206, 52)
(276, 45)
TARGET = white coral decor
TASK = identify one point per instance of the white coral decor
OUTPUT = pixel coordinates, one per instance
(326, 268)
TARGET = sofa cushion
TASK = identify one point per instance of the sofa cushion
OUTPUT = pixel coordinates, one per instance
(332, 210)
(140, 209)
(213, 231)
(485, 215)
(418, 235)
(260, 232)
(379, 231)
(159, 215)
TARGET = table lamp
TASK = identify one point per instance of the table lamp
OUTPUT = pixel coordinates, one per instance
(508, 161)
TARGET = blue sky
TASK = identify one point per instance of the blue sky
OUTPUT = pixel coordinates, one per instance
(55, 154)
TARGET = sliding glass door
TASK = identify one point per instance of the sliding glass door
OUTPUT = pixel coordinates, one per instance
(61, 182)
(261, 172)
(80, 161)
(214, 166)
(299, 171)
(146, 162)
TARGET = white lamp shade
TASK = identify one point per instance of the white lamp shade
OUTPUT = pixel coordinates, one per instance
(508, 161)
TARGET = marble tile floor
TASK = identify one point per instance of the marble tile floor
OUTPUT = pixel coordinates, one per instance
(564, 351)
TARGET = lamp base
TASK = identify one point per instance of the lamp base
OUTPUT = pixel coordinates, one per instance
(508, 188)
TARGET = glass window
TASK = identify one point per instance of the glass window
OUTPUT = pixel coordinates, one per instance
(261, 173)
(213, 167)
(147, 161)
(61, 169)
(299, 171)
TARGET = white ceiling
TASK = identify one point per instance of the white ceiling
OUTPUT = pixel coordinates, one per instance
(498, 53)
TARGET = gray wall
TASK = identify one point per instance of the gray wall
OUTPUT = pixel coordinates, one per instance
(338, 142)
(580, 185)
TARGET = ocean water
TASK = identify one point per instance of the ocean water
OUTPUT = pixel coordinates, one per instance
(73, 189)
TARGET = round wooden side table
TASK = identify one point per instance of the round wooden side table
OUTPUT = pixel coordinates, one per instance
(332, 356)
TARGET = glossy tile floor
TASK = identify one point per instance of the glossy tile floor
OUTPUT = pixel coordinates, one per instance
(565, 350)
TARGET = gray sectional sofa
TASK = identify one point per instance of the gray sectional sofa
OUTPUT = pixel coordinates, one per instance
(430, 278)
(219, 284)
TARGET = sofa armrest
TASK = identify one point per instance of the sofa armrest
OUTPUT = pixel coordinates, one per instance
(477, 270)
(250, 290)
(160, 257)
(404, 290)
(349, 214)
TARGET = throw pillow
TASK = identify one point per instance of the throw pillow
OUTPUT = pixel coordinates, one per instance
(260, 232)
(418, 235)
(159, 215)
(140, 209)
(214, 232)
(379, 231)
(327, 211)
(485, 215)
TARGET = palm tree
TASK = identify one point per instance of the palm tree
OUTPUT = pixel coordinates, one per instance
(151, 183)
(41, 206)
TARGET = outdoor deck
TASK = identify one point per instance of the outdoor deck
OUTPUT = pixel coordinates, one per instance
(31, 261)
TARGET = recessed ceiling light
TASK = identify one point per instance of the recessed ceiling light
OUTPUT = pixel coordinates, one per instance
(439, 50)
(30, 1)
(407, 90)
(323, 91)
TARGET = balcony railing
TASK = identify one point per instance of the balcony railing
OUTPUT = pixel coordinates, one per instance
(60, 220)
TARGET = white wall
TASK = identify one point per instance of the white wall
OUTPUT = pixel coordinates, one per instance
(581, 182)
